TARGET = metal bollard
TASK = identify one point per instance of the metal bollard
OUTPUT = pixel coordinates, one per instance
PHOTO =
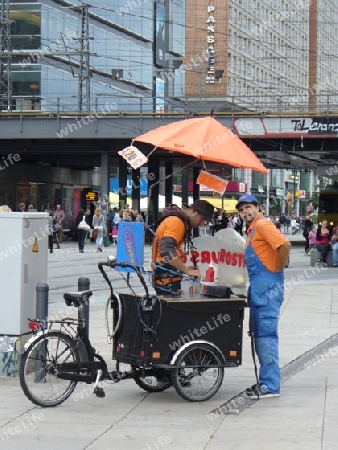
(83, 284)
(42, 290)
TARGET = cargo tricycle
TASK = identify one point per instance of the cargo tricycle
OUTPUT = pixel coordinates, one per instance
(159, 342)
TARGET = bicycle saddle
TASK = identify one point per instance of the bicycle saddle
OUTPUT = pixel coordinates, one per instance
(76, 298)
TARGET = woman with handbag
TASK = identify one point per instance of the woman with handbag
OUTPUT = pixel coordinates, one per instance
(82, 229)
(99, 228)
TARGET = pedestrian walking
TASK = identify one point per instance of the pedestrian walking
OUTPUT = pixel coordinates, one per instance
(99, 228)
(308, 224)
(81, 228)
(312, 240)
(324, 235)
(113, 234)
(59, 216)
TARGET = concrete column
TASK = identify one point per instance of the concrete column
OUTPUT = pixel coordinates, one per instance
(311, 183)
(283, 186)
(247, 178)
(185, 185)
(153, 190)
(267, 208)
(105, 186)
(196, 187)
(136, 191)
(168, 189)
(123, 171)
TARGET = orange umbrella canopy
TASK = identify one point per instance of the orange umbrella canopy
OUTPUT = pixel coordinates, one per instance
(206, 139)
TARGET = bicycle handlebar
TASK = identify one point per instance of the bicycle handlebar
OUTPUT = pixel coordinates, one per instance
(114, 264)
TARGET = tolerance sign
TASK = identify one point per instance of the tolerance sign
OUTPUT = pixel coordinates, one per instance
(133, 156)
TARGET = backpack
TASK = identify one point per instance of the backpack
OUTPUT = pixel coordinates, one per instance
(177, 212)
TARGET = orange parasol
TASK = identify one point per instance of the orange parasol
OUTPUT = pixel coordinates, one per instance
(206, 139)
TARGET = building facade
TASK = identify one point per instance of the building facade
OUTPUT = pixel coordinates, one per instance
(274, 56)
(108, 55)
(113, 56)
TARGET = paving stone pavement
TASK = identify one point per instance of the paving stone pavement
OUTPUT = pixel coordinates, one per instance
(128, 418)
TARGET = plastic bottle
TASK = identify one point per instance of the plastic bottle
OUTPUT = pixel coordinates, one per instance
(210, 274)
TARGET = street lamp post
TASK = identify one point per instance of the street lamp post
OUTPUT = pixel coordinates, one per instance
(294, 177)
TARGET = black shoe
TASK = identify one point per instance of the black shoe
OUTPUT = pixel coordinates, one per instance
(252, 388)
(260, 393)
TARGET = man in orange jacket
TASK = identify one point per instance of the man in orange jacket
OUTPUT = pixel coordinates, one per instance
(168, 254)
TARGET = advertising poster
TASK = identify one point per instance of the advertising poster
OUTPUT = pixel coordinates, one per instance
(130, 242)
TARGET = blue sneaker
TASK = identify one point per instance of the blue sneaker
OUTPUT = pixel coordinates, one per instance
(259, 392)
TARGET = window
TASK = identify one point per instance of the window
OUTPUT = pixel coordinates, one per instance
(26, 26)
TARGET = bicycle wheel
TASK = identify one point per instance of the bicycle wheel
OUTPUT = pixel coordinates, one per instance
(40, 365)
(153, 380)
(197, 379)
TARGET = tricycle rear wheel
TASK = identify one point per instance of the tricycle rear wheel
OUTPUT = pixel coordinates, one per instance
(199, 374)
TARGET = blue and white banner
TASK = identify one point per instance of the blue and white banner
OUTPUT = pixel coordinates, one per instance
(130, 242)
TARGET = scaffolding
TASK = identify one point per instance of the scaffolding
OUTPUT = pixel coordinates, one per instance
(5, 58)
(84, 67)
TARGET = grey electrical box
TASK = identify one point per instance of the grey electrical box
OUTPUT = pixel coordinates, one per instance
(23, 263)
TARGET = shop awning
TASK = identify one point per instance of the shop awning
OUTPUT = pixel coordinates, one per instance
(228, 205)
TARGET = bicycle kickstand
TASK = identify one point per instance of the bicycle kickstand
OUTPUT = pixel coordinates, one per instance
(97, 390)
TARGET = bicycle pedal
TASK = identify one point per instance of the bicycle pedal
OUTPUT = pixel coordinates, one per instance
(99, 392)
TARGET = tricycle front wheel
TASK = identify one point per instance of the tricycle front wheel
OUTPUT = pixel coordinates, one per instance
(153, 380)
(199, 374)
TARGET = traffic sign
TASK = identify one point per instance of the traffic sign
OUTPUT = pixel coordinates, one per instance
(302, 194)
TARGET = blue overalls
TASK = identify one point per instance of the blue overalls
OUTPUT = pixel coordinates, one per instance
(266, 295)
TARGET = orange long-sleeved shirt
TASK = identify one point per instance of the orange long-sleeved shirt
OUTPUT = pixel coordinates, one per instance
(266, 241)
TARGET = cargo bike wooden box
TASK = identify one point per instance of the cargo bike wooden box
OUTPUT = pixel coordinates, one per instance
(185, 342)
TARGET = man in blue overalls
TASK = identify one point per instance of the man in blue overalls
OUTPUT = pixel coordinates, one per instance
(266, 253)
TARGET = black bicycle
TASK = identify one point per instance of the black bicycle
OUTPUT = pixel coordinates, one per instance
(152, 335)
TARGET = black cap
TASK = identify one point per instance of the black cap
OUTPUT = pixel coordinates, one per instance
(203, 208)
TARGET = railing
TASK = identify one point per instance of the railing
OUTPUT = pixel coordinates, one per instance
(199, 105)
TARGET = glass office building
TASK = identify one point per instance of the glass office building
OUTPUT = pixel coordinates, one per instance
(112, 55)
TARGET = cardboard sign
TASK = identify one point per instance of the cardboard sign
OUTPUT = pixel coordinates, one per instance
(225, 251)
(133, 156)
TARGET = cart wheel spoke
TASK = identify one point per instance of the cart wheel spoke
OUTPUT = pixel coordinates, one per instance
(197, 379)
